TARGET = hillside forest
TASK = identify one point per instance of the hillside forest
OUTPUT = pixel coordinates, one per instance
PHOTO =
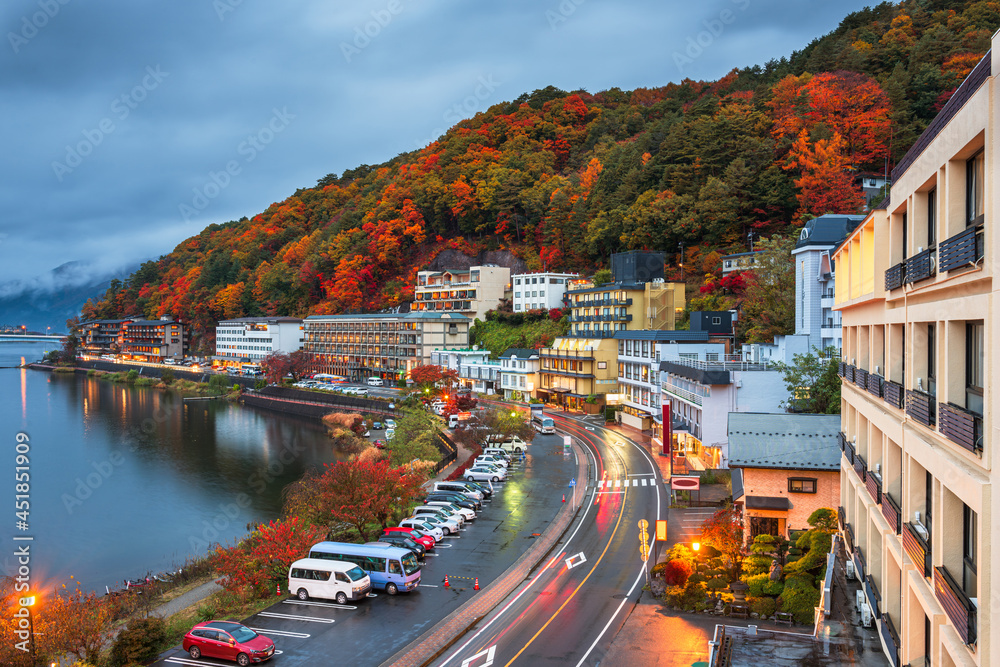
(563, 179)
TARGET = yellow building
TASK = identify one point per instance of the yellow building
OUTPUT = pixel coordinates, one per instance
(914, 284)
(600, 310)
(574, 368)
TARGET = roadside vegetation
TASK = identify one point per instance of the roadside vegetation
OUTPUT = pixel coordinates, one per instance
(530, 330)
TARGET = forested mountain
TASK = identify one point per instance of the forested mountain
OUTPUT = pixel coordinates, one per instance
(564, 179)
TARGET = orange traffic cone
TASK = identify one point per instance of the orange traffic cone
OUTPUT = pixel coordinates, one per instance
(446, 581)
(476, 587)
(564, 497)
(277, 591)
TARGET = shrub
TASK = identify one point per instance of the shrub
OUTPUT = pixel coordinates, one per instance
(168, 376)
(217, 383)
(799, 598)
(259, 384)
(131, 376)
(676, 572)
(763, 607)
(138, 643)
(761, 585)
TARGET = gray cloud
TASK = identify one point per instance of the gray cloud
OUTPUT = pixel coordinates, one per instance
(162, 95)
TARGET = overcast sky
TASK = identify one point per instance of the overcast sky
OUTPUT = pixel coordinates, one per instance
(131, 125)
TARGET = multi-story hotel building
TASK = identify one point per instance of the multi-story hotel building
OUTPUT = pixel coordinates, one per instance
(914, 285)
(471, 292)
(518, 373)
(476, 371)
(253, 338)
(153, 340)
(386, 345)
(102, 336)
(532, 291)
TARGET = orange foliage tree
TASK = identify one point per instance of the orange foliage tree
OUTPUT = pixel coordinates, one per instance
(261, 559)
(825, 185)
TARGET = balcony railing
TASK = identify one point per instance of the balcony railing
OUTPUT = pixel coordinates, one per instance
(874, 598)
(891, 512)
(859, 466)
(919, 267)
(891, 640)
(841, 517)
(962, 427)
(892, 393)
(850, 453)
(841, 369)
(732, 363)
(920, 407)
(849, 537)
(842, 439)
(917, 549)
(894, 276)
(849, 373)
(962, 249)
(682, 394)
(874, 485)
(957, 605)
(859, 561)
(861, 377)
(875, 385)
(551, 353)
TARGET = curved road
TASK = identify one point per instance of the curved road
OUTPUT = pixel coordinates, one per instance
(572, 607)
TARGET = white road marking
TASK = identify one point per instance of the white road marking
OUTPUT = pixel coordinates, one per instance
(571, 563)
(487, 656)
(320, 604)
(427, 586)
(600, 483)
(311, 619)
(618, 483)
(282, 633)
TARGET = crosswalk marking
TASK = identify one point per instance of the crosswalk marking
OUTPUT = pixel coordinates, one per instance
(618, 483)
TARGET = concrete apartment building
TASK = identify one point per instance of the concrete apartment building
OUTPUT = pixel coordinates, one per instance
(153, 340)
(476, 371)
(915, 289)
(471, 292)
(584, 362)
(533, 291)
(385, 345)
(814, 279)
(518, 373)
(253, 338)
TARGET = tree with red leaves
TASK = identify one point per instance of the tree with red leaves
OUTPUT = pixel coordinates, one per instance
(262, 558)
(279, 364)
(724, 531)
(825, 185)
(429, 375)
(362, 493)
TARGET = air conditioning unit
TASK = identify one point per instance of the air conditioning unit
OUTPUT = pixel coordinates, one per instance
(859, 600)
(866, 616)
(878, 469)
(916, 517)
(878, 370)
(921, 531)
(849, 572)
(920, 384)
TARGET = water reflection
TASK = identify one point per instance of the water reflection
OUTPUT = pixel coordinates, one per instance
(129, 479)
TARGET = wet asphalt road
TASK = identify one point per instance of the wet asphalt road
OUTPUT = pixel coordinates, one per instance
(370, 631)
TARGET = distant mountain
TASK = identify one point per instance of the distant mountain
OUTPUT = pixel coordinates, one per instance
(52, 298)
(560, 180)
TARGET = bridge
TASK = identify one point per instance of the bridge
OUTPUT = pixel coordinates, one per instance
(14, 338)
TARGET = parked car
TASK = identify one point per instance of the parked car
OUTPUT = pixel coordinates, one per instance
(403, 541)
(483, 473)
(414, 534)
(458, 499)
(227, 640)
(492, 460)
(390, 423)
(439, 520)
(390, 433)
(377, 426)
(464, 512)
(360, 391)
(434, 531)
(485, 488)
(459, 486)
(446, 512)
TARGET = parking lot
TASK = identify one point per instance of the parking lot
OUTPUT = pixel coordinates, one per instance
(372, 630)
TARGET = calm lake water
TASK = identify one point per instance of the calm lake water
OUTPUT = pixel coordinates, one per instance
(128, 480)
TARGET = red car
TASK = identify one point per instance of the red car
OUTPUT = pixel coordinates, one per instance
(228, 640)
(413, 534)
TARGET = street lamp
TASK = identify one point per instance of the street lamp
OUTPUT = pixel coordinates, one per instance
(695, 546)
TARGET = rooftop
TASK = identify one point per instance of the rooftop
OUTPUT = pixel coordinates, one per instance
(262, 320)
(519, 352)
(784, 441)
(827, 230)
(663, 335)
(413, 315)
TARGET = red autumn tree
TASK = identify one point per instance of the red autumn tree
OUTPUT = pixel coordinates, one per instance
(259, 560)
(825, 185)
(430, 374)
(724, 531)
(361, 492)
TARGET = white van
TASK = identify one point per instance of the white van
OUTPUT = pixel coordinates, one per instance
(375, 382)
(327, 579)
(457, 487)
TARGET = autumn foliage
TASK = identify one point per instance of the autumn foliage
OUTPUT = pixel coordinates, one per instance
(563, 179)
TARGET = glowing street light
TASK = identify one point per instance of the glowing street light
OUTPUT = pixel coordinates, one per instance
(696, 546)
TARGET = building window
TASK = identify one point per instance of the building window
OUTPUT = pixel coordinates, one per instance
(931, 218)
(931, 361)
(801, 485)
(974, 367)
(974, 186)
(602, 365)
(716, 320)
(969, 529)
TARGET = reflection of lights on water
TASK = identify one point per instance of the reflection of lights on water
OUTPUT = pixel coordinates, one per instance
(24, 390)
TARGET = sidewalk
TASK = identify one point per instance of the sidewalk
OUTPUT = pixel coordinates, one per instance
(193, 596)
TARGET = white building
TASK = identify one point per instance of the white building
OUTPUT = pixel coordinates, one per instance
(702, 393)
(518, 373)
(639, 355)
(814, 314)
(540, 290)
(471, 292)
(475, 368)
(254, 338)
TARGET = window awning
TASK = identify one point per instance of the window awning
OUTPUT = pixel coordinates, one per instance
(767, 503)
